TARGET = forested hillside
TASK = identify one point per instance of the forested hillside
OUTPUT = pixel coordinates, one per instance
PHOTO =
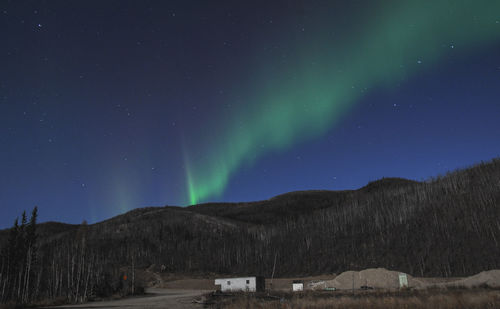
(446, 226)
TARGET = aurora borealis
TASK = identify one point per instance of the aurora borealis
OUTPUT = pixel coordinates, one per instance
(306, 95)
(109, 106)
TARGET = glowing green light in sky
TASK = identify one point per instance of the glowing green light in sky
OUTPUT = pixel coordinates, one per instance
(324, 76)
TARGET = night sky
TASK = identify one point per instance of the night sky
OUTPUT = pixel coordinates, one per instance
(107, 106)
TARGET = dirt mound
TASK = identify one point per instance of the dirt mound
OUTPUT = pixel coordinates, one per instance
(490, 278)
(379, 278)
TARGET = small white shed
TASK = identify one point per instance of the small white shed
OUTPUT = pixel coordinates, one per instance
(245, 284)
(297, 286)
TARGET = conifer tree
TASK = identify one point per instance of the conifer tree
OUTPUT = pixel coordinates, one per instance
(11, 267)
(30, 256)
(31, 236)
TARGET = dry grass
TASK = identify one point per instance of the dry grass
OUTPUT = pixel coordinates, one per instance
(438, 299)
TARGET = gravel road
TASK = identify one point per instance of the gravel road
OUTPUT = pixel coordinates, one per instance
(157, 298)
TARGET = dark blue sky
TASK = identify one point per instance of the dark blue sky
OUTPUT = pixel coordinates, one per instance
(97, 99)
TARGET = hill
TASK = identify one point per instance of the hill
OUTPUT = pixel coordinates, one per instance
(446, 226)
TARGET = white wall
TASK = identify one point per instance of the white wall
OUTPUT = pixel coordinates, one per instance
(247, 284)
(297, 287)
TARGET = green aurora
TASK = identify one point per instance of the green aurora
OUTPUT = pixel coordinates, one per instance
(325, 75)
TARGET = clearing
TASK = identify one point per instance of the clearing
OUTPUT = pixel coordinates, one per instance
(156, 298)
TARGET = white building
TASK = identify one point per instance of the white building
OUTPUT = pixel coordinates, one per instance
(297, 286)
(245, 284)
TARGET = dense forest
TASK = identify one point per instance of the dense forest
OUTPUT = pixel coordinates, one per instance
(446, 226)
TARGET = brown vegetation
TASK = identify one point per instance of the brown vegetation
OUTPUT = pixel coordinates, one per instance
(429, 299)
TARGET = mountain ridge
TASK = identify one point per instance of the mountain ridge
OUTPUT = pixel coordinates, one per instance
(445, 226)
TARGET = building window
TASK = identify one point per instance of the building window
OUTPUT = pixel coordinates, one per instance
(248, 281)
(229, 283)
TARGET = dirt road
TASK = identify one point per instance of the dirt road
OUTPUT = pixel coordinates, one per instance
(157, 298)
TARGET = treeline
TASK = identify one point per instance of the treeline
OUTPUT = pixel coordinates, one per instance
(65, 269)
(19, 275)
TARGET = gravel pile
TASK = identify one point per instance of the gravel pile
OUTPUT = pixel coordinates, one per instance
(379, 278)
(490, 278)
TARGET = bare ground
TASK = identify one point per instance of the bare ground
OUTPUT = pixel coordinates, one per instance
(156, 298)
(409, 299)
(178, 292)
